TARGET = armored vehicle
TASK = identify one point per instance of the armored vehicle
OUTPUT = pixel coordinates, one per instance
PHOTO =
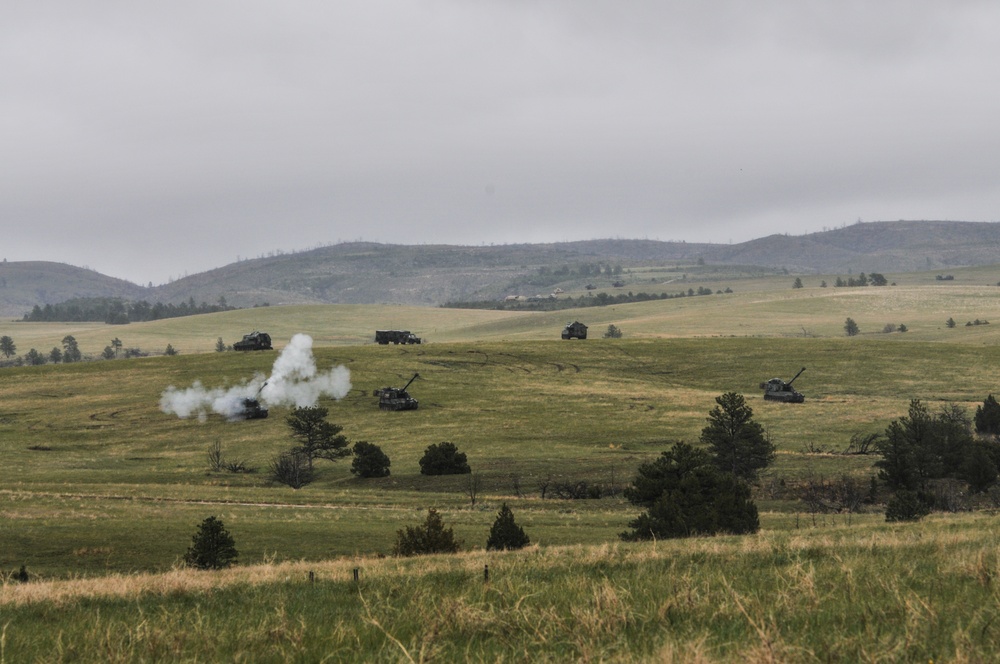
(254, 341)
(386, 337)
(396, 398)
(574, 330)
(778, 390)
(252, 410)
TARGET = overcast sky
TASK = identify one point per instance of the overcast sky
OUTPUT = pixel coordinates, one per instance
(149, 140)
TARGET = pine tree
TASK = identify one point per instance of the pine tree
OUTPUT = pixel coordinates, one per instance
(431, 537)
(212, 547)
(737, 443)
(505, 533)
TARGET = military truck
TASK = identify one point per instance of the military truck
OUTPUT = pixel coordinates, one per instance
(254, 341)
(778, 390)
(386, 337)
(574, 330)
(396, 398)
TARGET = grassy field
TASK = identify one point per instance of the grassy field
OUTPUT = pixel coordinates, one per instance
(98, 481)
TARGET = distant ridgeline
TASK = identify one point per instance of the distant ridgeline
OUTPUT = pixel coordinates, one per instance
(554, 303)
(115, 311)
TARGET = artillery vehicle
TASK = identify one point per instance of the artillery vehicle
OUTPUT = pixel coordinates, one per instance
(778, 390)
(386, 337)
(252, 410)
(396, 398)
(254, 341)
(574, 330)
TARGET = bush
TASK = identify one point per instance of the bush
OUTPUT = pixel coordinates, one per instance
(291, 469)
(614, 332)
(851, 328)
(444, 459)
(987, 417)
(905, 506)
(431, 537)
(212, 547)
(505, 534)
(369, 460)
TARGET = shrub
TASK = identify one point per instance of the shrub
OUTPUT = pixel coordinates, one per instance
(505, 533)
(987, 417)
(905, 505)
(444, 459)
(614, 332)
(291, 469)
(369, 460)
(212, 547)
(431, 537)
(851, 328)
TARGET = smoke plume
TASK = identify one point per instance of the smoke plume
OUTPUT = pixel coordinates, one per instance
(294, 381)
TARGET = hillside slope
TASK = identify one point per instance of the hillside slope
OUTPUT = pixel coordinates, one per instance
(370, 273)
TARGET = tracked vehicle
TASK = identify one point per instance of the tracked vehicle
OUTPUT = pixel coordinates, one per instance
(254, 341)
(396, 398)
(574, 330)
(778, 390)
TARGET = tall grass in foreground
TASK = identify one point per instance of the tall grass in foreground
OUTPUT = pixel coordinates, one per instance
(921, 592)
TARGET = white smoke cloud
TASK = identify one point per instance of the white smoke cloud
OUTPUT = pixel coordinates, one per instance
(294, 381)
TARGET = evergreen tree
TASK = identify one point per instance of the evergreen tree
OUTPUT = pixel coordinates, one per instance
(212, 547)
(686, 494)
(431, 537)
(55, 355)
(851, 328)
(317, 437)
(737, 443)
(505, 533)
(987, 417)
(7, 346)
(71, 350)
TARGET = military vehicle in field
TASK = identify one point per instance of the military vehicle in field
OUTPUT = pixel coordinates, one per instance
(254, 341)
(252, 410)
(386, 337)
(778, 390)
(574, 330)
(396, 398)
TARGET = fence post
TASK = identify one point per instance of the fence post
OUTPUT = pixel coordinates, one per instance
(355, 575)
(486, 573)
(312, 577)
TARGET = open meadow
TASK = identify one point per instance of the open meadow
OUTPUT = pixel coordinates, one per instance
(101, 491)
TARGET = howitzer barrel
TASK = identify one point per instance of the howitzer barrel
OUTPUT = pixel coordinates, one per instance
(411, 380)
(797, 375)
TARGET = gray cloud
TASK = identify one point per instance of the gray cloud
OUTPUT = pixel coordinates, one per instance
(150, 141)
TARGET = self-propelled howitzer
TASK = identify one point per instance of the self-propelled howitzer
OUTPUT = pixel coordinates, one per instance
(778, 390)
(397, 398)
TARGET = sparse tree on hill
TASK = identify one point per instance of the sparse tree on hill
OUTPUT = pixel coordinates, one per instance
(7, 346)
(851, 328)
(169, 350)
(950, 322)
(34, 358)
(431, 537)
(614, 332)
(797, 283)
(505, 534)
(55, 355)
(738, 444)
(71, 350)
(116, 344)
(108, 353)
(317, 437)
(212, 547)
(220, 345)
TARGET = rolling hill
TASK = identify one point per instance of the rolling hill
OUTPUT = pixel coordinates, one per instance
(430, 275)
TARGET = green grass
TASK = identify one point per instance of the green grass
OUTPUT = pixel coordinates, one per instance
(97, 480)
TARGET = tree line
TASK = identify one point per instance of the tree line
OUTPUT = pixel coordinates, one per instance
(116, 311)
(590, 300)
